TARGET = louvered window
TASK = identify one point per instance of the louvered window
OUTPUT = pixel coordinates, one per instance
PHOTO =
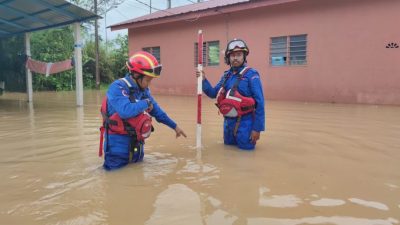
(154, 51)
(288, 50)
(210, 53)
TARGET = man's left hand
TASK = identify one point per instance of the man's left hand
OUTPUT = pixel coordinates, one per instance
(255, 135)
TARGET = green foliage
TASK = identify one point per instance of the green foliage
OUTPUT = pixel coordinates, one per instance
(120, 55)
(53, 45)
(112, 59)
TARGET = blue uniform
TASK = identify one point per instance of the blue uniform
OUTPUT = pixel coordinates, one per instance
(123, 149)
(249, 86)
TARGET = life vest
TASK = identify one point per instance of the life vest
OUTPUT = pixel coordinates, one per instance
(231, 103)
(139, 126)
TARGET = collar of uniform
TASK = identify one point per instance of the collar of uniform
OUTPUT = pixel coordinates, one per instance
(131, 81)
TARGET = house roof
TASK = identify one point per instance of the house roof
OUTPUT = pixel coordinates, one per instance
(21, 16)
(195, 11)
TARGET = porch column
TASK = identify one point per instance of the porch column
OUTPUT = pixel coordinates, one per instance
(78, 64)
(28, 71)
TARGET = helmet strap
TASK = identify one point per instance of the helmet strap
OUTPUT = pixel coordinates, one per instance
(138, 78)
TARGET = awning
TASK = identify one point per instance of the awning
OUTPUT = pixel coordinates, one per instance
(22, 16)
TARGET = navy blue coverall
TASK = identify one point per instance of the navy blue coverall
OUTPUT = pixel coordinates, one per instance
(249, 86)
(118, 148)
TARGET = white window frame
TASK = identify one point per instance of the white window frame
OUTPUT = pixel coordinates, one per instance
(288, 50)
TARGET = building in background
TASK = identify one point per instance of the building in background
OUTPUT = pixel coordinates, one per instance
(344, 51)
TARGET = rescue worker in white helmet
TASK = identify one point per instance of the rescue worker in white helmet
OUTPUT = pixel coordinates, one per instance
(127, 110)
(240, 98)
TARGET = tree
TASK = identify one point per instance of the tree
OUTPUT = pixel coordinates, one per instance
(119, 55)
(100, 8)
(103, 5)
(112, 62)
(53, 45)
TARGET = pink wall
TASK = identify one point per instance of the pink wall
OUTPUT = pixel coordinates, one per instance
(347, 58)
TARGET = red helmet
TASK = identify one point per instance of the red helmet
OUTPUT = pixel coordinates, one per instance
(144, 63)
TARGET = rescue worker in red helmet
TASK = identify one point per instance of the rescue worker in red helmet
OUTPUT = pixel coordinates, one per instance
(127, 112)
(240, 98)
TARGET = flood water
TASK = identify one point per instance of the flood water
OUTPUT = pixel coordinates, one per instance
(316, 164)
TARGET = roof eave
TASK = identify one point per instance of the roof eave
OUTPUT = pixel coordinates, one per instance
(163, 20)
(193, 15)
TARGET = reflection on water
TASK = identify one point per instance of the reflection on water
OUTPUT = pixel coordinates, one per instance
(327, 202)
(339, 220)
(178, 204)
(372, 204)
(317, 164)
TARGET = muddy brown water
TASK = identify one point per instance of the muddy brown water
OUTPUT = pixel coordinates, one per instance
(316, 164)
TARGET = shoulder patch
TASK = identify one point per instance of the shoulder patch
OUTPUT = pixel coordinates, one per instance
(124, 93)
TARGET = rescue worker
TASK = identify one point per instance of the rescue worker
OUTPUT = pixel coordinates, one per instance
(127, 110)
(240, 98)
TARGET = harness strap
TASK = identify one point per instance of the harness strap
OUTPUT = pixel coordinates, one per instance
(245, 108)
(108, 121)
(126, 82)
(226, 76)
(101, 141)
(243, 71)
(129, 129)
(131, 89)
(104, 129)
(232, 92)
(237, 125)
(135, 148)
(131, 149)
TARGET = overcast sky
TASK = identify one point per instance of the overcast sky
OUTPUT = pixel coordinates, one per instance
(130, 9)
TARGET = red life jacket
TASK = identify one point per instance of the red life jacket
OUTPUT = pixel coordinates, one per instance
(231, 103)
(139, 125)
